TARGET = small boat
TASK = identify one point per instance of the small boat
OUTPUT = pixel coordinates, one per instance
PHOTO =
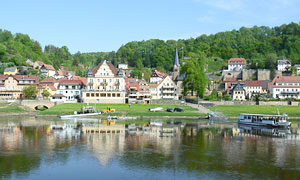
(264, 120)
(112, 117)
(80, 115)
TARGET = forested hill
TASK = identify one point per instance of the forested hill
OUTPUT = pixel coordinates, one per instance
(261, 46)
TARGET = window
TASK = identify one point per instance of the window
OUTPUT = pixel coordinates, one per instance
(87, 94)
(108, 95)
(118, 94)
(92, 95)
(113, 95)
(103, 95)
(97, 94)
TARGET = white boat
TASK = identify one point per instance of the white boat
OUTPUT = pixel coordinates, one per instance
(80, 115)
(264, 120)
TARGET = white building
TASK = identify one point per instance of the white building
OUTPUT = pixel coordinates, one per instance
(283, 87)
(165, 89)
(238, 93)
(71, 89)
(236, 64)
(123, 66)
(252, 88)
(105, 84)
(47, 70)
(283, 65)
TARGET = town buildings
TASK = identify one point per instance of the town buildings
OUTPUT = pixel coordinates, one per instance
(11, 86)
(164, 89)
(238, 93)
(71, 89)
(236, 64)
(105, 84)
(283, 87)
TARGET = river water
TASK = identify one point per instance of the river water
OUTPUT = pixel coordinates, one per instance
(30, 149)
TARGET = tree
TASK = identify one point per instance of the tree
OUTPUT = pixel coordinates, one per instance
(195, 79)
(45, 94)
(30, 92)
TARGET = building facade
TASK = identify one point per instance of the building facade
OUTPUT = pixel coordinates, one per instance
(238, 93)
(236, 64)
(11, 86)
(47, 70)
(71, 89)
(283, 87)
(105, 84)
(165, 89)
(253, 88)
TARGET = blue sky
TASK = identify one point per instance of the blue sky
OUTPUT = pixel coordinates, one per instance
(91, 26)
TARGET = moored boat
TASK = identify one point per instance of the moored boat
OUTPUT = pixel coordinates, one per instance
(264, 120)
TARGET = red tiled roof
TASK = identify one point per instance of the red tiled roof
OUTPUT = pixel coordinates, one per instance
(22, 77)
(233, 79)
(72, 82)
(48, 80)
(83, 79)
(237, 61)
(253, 83)
(48, 67)
(153, 85)
(110, 65)
(158, 74)
(58, 95)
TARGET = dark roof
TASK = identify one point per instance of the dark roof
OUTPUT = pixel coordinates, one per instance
(238, 87)
(11, 69)
(176, 60)
(89, 73)
(181, 77)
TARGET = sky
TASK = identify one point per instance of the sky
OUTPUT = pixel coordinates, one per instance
(102, 26)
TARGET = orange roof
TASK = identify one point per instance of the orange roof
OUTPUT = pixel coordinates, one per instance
(153, 85)
(253, 83)
(158, 74)
(48, 67)
(237, 61)
(233, 79)
(285, 79)
(48, 80)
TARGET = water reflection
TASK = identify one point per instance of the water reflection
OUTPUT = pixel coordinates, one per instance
(177, 149)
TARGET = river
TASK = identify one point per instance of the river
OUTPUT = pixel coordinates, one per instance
(30, 149)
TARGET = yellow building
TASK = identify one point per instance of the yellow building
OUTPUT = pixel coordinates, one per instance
(46, 87)
(10, 71)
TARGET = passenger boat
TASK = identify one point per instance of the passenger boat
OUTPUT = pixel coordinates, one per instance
(264, 120)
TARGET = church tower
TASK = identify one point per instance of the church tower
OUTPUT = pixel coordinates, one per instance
(176, 66)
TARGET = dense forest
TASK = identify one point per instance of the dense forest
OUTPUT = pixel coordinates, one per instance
(261, 46)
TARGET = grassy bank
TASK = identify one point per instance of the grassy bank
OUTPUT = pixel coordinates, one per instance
(122, 109)
(10, 108)
(292, 111)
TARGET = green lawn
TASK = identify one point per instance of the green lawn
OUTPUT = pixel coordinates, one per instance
(235, 110)
(121, 109)
(10, 108)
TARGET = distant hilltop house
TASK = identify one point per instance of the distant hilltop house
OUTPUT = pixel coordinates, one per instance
(10, 71)
(236, 64)
(123, 66)
(38, 64)
(47, 70)
(283, 65)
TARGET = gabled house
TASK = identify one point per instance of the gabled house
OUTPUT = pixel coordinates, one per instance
(253, 88)
(105, 84)
(157, 76)
(47, 70)
(165, 89)
(238, 93)
(236, 64)
(71, 89)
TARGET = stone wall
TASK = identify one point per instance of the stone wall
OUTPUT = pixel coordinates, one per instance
(166, 102)
(262, 103)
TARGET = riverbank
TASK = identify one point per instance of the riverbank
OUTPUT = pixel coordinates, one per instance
(234, 111)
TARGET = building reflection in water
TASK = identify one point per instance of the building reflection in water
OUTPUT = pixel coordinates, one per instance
(196, 146)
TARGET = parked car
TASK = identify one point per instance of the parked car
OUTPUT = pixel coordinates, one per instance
(178, 110)
(170, 110)
(156, 109)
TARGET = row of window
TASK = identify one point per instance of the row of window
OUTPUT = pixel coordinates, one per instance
(287, 90)
(288, 84)
(103, 95)
(21, 82)
(104, 80)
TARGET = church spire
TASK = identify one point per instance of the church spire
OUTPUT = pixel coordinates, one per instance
(176, 60)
